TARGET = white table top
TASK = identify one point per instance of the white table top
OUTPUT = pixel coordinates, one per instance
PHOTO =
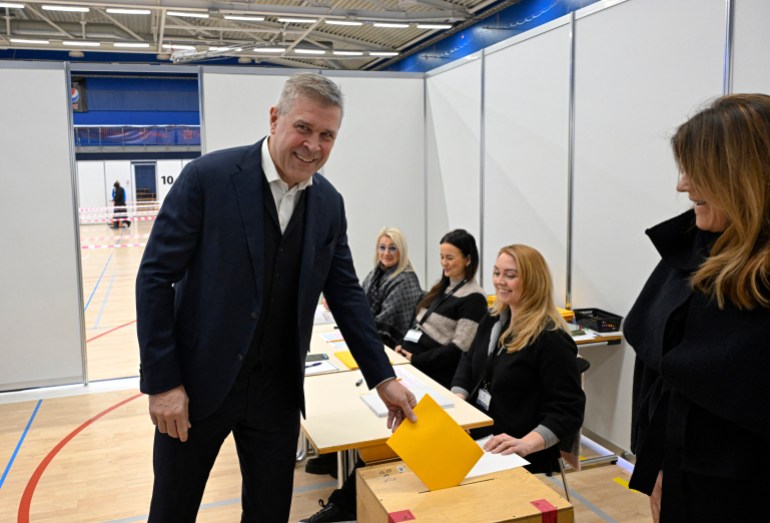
(338, 419)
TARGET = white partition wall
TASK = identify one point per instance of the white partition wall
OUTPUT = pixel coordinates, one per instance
(634, 85)
(526, 134)
(751, 42)
(41, 306)
(92, 187)
(235, 105)
(377, 161)
(453, 135)
(166, 172)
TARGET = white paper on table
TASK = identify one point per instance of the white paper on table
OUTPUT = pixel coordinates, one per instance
(495, 462)
(335, 335)
(339, 345)
(319, 367)
(408, 380)
(322, 316)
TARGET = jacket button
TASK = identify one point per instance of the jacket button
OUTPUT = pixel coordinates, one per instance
(239, 357)
(253, 315)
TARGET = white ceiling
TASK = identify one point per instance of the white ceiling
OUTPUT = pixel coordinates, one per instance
(267, 41)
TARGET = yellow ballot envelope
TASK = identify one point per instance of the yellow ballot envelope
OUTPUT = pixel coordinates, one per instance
(435, 448)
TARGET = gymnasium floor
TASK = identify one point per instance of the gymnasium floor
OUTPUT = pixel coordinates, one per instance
(83, 454)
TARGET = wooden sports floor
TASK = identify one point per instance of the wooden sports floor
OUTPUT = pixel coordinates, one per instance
(83, 453)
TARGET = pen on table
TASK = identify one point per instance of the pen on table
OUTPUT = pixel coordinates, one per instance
(308, 365)
(359, 382)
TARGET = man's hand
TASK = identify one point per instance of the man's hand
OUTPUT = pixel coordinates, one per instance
(168, 411)
(399, 400)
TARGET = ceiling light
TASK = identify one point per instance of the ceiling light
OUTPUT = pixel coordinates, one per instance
(233, 49)
(348, 53)
(115, 11)
(309, 51)
(270, 50)
(27, 41)
(80, 43)
(177, 46)
(246, 18)
(131, 44)
(11, 6)
(189, 14)
(434, 26)
(297, 20)
(72, 9)
(391, 26)
(382, 53)
(342, 22)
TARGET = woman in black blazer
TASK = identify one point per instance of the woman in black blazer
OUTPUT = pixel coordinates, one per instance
(522, 366)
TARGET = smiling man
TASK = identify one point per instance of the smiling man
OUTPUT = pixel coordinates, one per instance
(245, 242)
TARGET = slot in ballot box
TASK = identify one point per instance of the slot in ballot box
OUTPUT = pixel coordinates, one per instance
(392, 493)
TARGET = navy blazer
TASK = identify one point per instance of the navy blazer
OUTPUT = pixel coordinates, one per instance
(199, 288)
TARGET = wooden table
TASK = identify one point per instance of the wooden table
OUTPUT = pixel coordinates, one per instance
(338, 420)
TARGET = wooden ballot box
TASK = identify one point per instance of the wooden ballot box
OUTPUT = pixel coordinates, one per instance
(392, 493)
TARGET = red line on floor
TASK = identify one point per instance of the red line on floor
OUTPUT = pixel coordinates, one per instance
(109, 331)
(26, 498)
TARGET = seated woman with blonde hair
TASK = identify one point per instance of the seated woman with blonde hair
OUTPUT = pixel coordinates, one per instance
(392, 287)
(522, 366)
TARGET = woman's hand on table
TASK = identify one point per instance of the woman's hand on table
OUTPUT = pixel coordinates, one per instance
(405, 353)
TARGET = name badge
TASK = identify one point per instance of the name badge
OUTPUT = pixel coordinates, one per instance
(413, 335)
(483, 399)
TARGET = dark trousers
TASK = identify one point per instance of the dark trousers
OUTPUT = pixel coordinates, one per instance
(265, 432)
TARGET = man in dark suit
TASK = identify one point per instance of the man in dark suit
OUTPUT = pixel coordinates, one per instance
(245, 242)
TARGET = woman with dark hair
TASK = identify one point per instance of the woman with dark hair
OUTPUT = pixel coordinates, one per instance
(522, 368)
(448, 316)
(701, 325)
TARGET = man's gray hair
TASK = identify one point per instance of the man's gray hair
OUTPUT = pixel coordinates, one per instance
(309, 85)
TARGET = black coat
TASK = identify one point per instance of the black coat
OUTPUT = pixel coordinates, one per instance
(538, 385)
(700, 381)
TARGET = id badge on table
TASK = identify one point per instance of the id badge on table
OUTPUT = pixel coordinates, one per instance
(413, 335)
(483, 399)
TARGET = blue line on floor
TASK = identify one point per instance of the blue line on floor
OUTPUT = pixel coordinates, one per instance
(574, 495)
(104, 301)
(18, 445)
(97, 283)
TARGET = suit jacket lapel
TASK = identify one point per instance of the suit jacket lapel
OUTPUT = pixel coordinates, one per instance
(313, 213)
(247, 184)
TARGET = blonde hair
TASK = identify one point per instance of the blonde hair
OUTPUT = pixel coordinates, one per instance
(725, 152)
(536, 311)
(399, 241)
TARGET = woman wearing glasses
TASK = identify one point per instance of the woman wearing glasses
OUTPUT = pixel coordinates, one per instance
(392, 287)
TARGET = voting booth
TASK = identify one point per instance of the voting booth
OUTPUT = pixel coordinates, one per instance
(392, 493)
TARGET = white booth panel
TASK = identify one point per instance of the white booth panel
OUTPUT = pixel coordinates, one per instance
(527, 140)
(166, 172)
(91, 185)
(751, 41)
(235, 106)
(453, 157)
(633, 86)
(41, 306)
(378, 163)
